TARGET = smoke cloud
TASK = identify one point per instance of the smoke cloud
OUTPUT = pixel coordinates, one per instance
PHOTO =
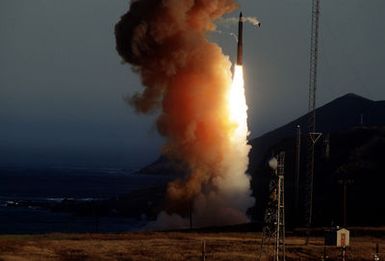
(187, 79)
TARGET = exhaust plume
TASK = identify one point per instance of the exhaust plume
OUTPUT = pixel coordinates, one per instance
(188, 79)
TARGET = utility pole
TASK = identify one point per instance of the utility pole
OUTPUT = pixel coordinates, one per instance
(313, 135)
(327, 146)
(297, 169)
(345, 182)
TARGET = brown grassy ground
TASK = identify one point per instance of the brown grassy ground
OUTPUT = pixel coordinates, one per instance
(172, 246)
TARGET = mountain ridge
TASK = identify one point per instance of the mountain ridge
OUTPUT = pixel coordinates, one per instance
(343, 113)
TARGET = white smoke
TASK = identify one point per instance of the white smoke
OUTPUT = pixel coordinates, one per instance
(233, 35)
(234, 20)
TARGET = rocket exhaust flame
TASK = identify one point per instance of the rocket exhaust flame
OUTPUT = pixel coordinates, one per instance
(238, 107)
(203, 111)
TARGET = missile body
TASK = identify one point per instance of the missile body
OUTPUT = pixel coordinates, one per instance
(240, 41)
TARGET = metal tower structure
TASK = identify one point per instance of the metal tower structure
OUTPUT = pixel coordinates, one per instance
(313, 61)
(274, 229)
(313, 135)
(279, 253)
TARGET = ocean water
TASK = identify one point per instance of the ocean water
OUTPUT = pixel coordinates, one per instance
(53, 185)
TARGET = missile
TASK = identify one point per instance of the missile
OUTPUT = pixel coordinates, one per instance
(240, 41)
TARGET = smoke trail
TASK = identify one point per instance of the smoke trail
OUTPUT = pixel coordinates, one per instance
(188, 79)
(234, 20)
(233, 35)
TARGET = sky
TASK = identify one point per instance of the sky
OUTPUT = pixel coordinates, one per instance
(62, 84)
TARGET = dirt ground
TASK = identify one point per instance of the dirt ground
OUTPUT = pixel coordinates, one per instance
(171, 246)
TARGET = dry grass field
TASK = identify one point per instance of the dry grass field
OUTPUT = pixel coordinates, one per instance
(172, 246)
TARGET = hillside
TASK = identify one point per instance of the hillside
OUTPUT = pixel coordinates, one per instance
(341, 114)
(353, 155)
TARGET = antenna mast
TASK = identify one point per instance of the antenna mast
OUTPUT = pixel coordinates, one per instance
(313, 135)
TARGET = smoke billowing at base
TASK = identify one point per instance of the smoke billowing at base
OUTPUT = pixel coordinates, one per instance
(202, 110)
